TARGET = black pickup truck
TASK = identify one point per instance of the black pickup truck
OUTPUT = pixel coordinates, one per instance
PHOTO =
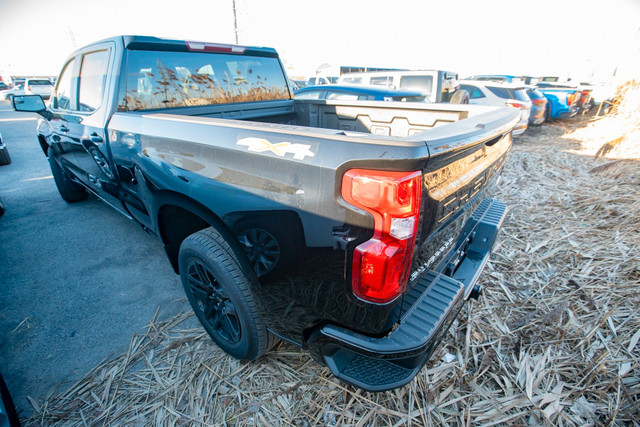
(356, 229)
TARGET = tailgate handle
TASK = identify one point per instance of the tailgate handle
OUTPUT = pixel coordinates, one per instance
(63, 128)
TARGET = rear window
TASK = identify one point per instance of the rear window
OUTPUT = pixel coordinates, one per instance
(521, 95)
(418, 83)
(411, 98)
(184, 79)
(502, 92)
(535, 94)
(43, 82)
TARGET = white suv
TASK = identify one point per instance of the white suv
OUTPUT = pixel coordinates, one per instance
(504, 94)
(42, 87)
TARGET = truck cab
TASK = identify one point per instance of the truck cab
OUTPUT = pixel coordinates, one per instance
(437, 85)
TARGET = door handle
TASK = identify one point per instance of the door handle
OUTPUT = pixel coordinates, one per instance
(63, 128)
(94, 137)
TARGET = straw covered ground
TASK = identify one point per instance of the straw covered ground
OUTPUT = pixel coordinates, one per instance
(553, 341)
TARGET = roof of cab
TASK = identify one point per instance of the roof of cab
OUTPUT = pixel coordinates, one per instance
(136, 42)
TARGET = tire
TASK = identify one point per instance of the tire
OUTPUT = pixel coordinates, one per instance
(218, 288)
(460, 97)
(547, 113)
(5, 158)
(1, 208)
(270, 247)
(69, 191)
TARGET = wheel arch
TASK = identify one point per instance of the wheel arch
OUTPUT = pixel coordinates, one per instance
(178, 216)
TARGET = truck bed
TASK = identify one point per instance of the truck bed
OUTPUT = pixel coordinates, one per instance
(396, 119)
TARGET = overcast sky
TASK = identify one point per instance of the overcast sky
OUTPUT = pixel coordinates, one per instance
(533, 37)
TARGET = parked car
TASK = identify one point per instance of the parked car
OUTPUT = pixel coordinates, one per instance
(582, 96)
(360, 93)
(355, 230)
(505, 94)
(538, 105)
(562, 101)
(437, 85)
(42, 87)
(5, 158)
(8, 94)
(500, 78)
(322, 80)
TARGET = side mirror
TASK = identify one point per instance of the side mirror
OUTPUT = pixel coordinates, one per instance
(30, 103)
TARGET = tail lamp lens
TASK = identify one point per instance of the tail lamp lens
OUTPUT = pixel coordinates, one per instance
(517, 105)
(381, 265)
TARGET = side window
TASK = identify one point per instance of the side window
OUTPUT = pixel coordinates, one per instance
(93, 74)
(62, 95)
(342, 96)
(311, 94)
(380, 81)
(474, 92)
(420, 83)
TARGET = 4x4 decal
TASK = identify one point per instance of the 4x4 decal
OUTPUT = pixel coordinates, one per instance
(259, 145)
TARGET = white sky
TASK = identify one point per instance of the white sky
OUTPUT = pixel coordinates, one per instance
(532, 37)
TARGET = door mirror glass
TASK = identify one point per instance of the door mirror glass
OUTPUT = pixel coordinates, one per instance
(31, 103)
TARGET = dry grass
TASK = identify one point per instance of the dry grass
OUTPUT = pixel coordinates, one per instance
(554, 340)
(617, 135)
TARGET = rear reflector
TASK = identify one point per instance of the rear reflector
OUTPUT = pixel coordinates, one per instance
(380, 267)
(214, 47)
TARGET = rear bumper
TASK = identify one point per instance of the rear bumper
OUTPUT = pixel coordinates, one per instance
(379, 364)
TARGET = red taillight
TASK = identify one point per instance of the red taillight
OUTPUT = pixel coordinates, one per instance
(381, 265)
(539, 102)
(215, 47)
(517, 105)
(28, 87)
(572, 97)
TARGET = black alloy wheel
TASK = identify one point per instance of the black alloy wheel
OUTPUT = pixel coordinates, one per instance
(219, 283)
(261, 248)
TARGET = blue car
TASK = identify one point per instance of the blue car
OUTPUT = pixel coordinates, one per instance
(358, 93)
(561, 102)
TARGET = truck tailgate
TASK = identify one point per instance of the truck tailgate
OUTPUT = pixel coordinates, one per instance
(461, 172)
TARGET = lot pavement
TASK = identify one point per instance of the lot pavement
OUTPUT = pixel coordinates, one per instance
(77, 280)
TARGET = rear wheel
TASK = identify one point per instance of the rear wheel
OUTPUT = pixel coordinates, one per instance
(70, 191)
(218, 288)
(460, 97)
